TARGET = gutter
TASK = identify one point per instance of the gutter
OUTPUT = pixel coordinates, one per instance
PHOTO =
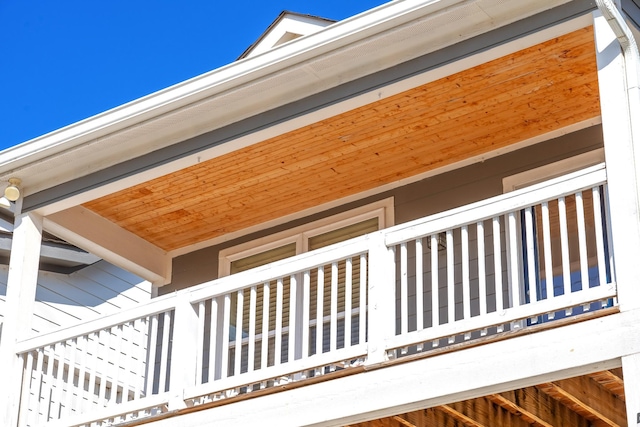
(631, 65)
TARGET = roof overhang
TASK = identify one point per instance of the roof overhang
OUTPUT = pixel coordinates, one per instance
(397, 32)
(365, 61)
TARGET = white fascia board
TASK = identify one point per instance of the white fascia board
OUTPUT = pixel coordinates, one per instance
(443, 379)
(97, 143)
(85, 229)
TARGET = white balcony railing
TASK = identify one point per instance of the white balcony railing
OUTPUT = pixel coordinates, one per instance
(503, 263)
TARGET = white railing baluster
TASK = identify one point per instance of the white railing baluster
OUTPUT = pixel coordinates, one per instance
(117, 357)
(251, 356)
(237, 354)
(293, 301)
(548, 261)
(348, 301)
(105, 339)
(531, 263)
(333, 323)
(264, 350)
(362, 324)
(226, 332)
(202, 308)
(514, 259)
(213, 340)
(451, 303)
(93, 388)
(320, 311)
(38, 389)
(497, 264)
(466, 286)
(142, 339)
(48, 390)
(404, 312)
(153, 356)
(482, 279)
(164, 356)
(597, 221)
(564, 244)
(306, 296)
(419, 287)
(83, 362)
(435, 300)
(582, 242)
(128, 367)
(279, 303)
(25, 399)
(56, 395)
(70, 376)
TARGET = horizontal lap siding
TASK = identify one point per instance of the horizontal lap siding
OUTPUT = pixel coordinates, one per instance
(64, 300)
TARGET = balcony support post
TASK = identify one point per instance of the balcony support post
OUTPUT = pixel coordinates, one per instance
(622, 168)
(20, 300)
(631, 372)
(381, 318)
(183, 351)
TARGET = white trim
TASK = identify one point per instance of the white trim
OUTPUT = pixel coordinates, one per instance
(382, 209)
(552, 170)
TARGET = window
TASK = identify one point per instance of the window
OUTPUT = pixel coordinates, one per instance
(311, 236)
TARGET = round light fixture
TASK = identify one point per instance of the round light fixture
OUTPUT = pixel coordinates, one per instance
(12, 192)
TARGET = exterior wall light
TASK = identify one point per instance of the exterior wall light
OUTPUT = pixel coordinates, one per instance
(12, 192)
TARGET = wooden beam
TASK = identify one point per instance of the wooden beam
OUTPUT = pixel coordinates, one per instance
(403, 421)
(459, 416)
(105, 239)
(612, 380)
(506, 401)
(586, 398)
(538, 408)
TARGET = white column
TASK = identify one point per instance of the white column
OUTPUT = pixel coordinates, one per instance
(631, 372)
(21, 293)
(381, 311)
(621, 168)
(183, 352)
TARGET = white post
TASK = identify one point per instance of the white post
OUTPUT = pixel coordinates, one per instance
(21, 293)
(381, 319)
(631, 372)
(183, 351)
(621, 168)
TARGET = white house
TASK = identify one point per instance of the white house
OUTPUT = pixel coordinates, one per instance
(426, 214)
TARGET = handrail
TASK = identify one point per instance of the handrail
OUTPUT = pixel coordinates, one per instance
(432, 224)
(498, 205)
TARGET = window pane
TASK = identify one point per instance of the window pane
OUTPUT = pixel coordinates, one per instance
(263, 258)
(343, 234)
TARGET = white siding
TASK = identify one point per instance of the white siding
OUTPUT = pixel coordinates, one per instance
(63, 300)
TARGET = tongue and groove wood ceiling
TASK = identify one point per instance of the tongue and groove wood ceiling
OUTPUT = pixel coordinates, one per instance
(519, 96)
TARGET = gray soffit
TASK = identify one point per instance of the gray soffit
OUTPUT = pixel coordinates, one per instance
(312, 103)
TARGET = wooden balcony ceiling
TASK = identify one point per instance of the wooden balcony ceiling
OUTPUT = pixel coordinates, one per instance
(513, 98)
(591, 400)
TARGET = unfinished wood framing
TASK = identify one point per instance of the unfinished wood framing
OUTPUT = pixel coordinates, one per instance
(576, 402)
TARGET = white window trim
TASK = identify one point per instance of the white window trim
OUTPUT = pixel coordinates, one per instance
(382, 209)
(552, 170)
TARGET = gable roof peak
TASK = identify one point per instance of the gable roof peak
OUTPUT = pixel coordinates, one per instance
(286, 27)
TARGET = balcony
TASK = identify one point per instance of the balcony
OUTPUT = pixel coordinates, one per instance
(536, 256)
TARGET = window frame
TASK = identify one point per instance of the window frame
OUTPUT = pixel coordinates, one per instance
(300, 235)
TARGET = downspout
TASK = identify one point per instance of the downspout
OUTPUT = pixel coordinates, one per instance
(631, 59)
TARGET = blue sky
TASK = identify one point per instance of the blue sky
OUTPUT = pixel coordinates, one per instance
(63, 61)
